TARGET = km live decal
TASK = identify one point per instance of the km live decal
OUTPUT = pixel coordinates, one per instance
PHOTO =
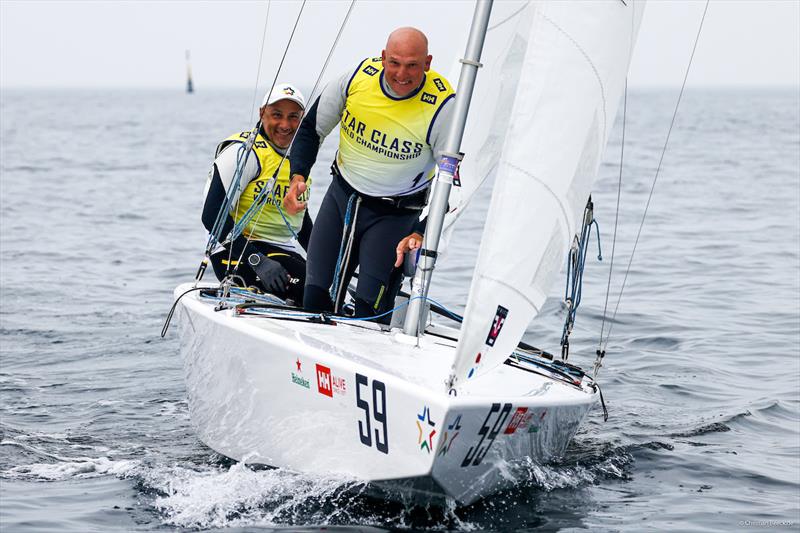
(328, 383)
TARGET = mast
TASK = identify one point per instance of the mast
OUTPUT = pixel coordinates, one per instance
(189, 85)
(447, 166)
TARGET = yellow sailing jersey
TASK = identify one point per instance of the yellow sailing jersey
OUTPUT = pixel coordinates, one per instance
(268, 224)
(384, 145)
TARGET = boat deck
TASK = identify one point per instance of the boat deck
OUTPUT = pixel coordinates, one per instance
(425, 361)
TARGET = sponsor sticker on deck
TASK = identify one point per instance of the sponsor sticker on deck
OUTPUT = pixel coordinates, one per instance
(328, 383)
(297, 375)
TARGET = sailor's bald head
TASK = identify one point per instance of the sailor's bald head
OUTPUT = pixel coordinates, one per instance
(405, 60)
(408, 39)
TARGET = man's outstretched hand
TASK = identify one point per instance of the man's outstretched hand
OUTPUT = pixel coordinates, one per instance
(292, 202)
(407, 244)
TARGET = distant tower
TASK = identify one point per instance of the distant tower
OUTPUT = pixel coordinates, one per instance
(189, 85)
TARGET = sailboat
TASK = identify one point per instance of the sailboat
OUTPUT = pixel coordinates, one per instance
(427, 410)
(189, 84)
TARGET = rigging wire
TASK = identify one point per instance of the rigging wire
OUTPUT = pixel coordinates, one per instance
(260, 200)
(286, 49)
(258, 203)
(600, 351)
(241, 161)
(655, 180)
(250, 141)
(260, 57)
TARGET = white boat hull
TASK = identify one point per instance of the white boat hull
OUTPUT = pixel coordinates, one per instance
(354, 401)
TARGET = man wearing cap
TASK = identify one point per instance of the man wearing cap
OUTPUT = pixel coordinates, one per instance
(392, 113)
(266, 254)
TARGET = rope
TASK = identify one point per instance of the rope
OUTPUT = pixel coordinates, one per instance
(165, 328)
(576, 261)
(348, 231)
(241, 161)
(303, 314)
(269, 189)
(244, 150)
(655, 179)
(258, 202)
(260, 56)
(244, 294)
(349, 251)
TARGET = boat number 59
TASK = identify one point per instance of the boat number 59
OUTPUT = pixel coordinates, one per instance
(488, 432)
(376, 414)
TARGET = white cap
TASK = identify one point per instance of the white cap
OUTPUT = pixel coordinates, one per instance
(284, 91)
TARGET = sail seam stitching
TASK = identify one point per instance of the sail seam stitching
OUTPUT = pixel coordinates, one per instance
(564, 214)
(515, 289)
(588, 60)
(511, 16)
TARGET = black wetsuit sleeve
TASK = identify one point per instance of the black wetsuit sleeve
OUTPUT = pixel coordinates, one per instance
(306, 144)
(305, 231)
(213, 203)
(320, 119)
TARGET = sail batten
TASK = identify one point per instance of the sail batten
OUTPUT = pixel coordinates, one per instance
(560, 69)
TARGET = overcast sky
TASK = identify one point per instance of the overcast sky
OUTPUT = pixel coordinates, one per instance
(142, 44)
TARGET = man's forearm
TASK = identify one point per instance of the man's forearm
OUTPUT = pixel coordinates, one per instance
(319, 121)
(306, 144)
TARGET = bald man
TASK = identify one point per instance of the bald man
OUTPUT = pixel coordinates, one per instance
(392, 112)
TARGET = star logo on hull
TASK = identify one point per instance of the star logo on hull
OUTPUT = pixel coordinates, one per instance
(425, 442)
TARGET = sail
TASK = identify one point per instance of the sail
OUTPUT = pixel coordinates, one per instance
(540, 121)
(494, 92)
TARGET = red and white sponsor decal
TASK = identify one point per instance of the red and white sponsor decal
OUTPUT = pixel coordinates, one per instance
(339, 385)
(516, 420)
(324, 384)
(497, 325)
(328, 383)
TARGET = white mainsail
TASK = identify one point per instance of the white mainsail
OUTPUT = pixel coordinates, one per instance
(559, 72)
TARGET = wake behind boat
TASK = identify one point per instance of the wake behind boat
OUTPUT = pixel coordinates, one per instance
(428, 410)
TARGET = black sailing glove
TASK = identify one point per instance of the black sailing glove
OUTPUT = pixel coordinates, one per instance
(274, 278)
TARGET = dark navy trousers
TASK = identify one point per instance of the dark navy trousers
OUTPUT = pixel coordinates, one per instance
(379, 227)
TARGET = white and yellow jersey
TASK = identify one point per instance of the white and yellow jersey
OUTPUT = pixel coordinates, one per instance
(384, 141)
(388, 146)
(268, 225)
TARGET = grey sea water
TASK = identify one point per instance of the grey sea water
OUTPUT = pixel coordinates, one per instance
(100, 194)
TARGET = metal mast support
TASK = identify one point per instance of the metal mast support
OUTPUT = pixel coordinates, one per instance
(447, 166)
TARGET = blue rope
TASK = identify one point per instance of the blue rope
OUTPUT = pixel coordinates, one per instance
(574, 285)
(258, 204)
(338, 272)
(599, 249)
(241, 160)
